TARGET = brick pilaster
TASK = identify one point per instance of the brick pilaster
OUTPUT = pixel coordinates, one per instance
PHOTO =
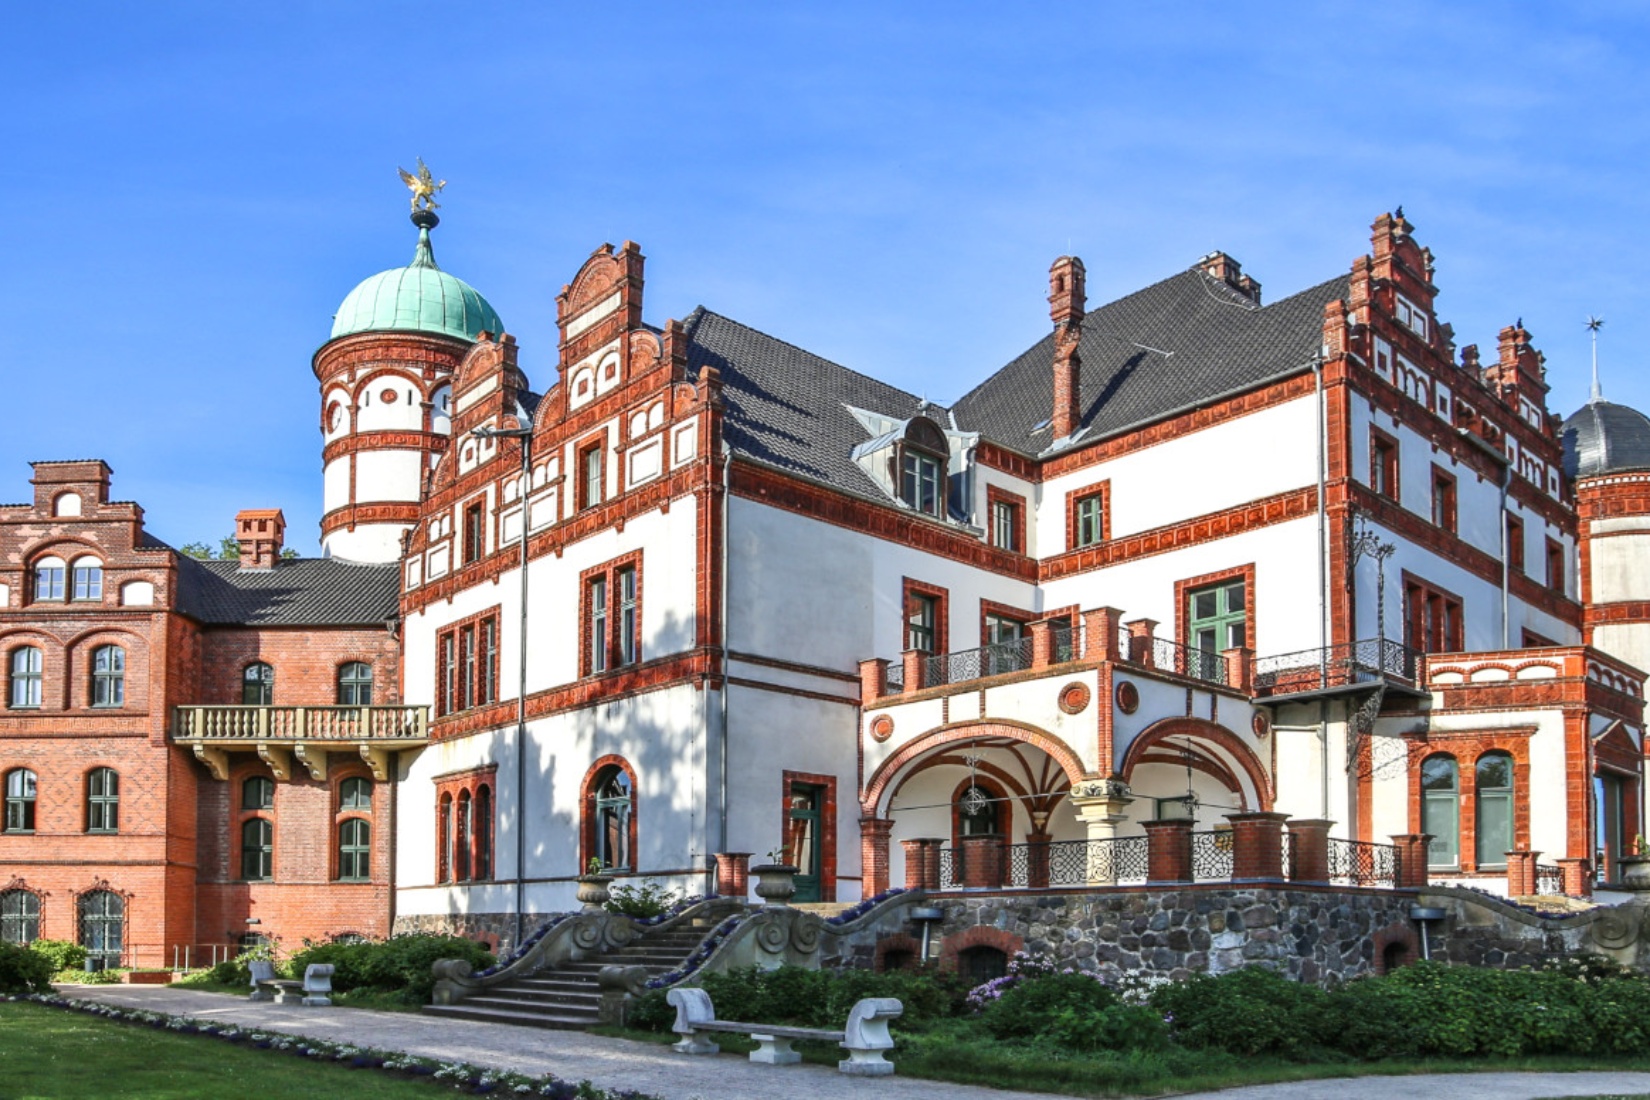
(1240, 669)
(1309, 849)
(873, 853)
(1037, 860)
(733, 873)
(1521, 873)
(1168, 851)
(1257, 846)
(1578, 882)
(983, 861)
(913, 662)
(1042, 643)
(873, 680)
(1412, 859)
(1141, 632)
(922, 862)
(1100, 630)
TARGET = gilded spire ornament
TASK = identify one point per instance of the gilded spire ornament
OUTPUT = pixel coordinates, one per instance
(423, 187)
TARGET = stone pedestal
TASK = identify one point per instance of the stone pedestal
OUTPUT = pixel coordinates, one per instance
(922, 862)
(1309, 850)
(1257, 846)
(1100, 806)
(1168, 851)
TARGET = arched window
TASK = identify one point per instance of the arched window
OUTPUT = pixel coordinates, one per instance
(982, 963)
(258, 793)
(977, 814)
(1494, 783)
(484, 832)
(258, 685)
(102, 801)
(461, 838)
(20, 787)
(257, 849)
(48, 579)
(355, 850)
(355, 684)
(613, 800)
(355, 794)
(1441, 810)
(108, 676)
(102, 927)
(922, 460)
(444, 856)
(19, 917)
(88, 579)
(26, 670)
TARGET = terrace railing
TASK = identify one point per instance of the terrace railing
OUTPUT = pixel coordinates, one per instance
(1119, 861)
(255, 723)
(971, 664)
(1549, 880)
(1336, 666)
(1362, 863)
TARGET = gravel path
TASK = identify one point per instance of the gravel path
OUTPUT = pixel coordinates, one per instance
(621, 1063)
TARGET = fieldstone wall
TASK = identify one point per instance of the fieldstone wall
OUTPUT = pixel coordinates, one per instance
(496, 930)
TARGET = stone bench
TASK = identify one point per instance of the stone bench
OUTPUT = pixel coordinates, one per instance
(864, 1037)
(314, 989)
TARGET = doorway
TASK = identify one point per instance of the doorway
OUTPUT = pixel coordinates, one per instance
(804, 843)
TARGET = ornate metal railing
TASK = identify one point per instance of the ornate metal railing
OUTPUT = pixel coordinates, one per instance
(1362, 863)
(1212, 855)
(1064, 647)
(1119, 861)
(896, 678)
(251, 723)
(1171, 656)
(1336, 666)
(971, 664)
(1549, 880)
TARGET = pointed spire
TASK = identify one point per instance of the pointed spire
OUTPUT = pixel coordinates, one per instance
(1593, 325)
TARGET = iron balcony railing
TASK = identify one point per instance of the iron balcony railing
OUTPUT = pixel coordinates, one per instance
(254, 723)
(1212, 856)
(1171, 656)
(1119, 861)
(1336, 666)
(1363, 863)
(971, 664)
(1549, 881)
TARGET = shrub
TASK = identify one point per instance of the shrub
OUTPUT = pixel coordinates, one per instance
(813, 998)
(1072, 1010)
(236, 971)
(23, 970)
(399, 966)
(64, 954)
(650, 1012)
(1248, 1012)
(647, 900)
(349, 961)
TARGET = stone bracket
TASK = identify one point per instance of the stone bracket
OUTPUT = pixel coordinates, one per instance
(378, 759)
(313, 759)
(279, 761)
(215, 759)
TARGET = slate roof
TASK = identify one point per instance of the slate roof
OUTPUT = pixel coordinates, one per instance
(786, 406)
(297, 592)
(1602, 437)
(1216, 342)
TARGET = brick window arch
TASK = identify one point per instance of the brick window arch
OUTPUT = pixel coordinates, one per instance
(108, 676)
(464, 825)
(21, 788)
(352, 823)
(607, 810)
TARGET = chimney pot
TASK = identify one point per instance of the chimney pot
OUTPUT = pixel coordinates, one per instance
(260, 531)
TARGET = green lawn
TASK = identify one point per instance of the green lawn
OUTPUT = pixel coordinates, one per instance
(53, 1054)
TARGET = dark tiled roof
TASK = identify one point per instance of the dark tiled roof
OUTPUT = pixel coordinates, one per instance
(1216, 341)
(297, 592)
(786, 406)
(1602, 437)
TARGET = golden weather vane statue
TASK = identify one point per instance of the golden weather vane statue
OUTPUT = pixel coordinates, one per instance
(423, 186)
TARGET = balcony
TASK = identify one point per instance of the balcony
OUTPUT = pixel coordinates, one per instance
(307, 735)
(1335, 670)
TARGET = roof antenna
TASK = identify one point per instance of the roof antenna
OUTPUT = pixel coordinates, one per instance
(1593, 325)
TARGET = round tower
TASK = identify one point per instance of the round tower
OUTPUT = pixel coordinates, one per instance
(1607, 455)
(385, 393)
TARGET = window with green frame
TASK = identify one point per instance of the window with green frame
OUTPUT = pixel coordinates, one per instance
(354, 850)
(1089, 520)
(1441, 810)
(1217, 617)
(1494, 783)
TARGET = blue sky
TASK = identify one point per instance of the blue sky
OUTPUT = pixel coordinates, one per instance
(190, 190)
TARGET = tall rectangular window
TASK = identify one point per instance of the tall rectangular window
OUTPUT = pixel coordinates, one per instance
(1555, 566)
(921, 615)
(487, 674)
(922, 482)
(26, 668)
(1383, 464)
(590, 476)
(467, 668)
(629, 628)
(474, 533)
(447, 670)
(1433, 619)
(1443, 499)
(1217, 617)
(1087, 519)
(1004, 524)
(1515, 543)
(88, 582)
(596, 596)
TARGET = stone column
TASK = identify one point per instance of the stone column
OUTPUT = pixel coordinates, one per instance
(1100, 628)
(1309, 849)
(1578, 883)
(913, 662)
(733, 874)
(1100, 806)
(1257, 846)
(1141, 633)
(1169, 850)
(1412, 859)
(1240, 669)
(873, 854)
(873, 680)
(922, 862)
(1521, 873)
(1037, 860)
(982, 856)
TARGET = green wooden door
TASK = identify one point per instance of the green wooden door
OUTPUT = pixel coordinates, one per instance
(804, 843)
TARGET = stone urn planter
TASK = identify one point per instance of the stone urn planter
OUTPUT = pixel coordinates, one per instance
(775, 882)
(1634, 872)
(594, 892)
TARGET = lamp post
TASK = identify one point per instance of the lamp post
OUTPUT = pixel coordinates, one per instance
(524, 432)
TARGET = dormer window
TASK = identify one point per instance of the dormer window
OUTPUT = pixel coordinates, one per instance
(1412, 317)
(922, 460)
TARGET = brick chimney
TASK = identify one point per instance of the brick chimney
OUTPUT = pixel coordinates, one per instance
(1218, 265)
(260, 532)
(1066, 301)
(1518, 369)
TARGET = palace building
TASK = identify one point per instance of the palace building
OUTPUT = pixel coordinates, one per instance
(1192, 561)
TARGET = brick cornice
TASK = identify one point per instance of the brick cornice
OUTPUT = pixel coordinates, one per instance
(384, 441)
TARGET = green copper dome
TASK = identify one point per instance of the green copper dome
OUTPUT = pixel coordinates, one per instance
(419, 297)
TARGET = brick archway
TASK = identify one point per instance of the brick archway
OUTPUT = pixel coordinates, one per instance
(1210, 733)
(882, 779)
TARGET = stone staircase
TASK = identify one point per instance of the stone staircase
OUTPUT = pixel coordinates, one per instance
(567, 996)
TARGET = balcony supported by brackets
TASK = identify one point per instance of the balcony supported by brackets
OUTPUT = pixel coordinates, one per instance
(286, 738)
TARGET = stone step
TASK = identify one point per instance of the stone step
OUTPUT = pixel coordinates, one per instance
(560, 1021)
(519, 1001)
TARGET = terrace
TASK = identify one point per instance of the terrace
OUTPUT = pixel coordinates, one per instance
(308, 736)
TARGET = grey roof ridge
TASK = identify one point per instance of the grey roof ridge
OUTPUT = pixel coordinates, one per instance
(700, 311)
